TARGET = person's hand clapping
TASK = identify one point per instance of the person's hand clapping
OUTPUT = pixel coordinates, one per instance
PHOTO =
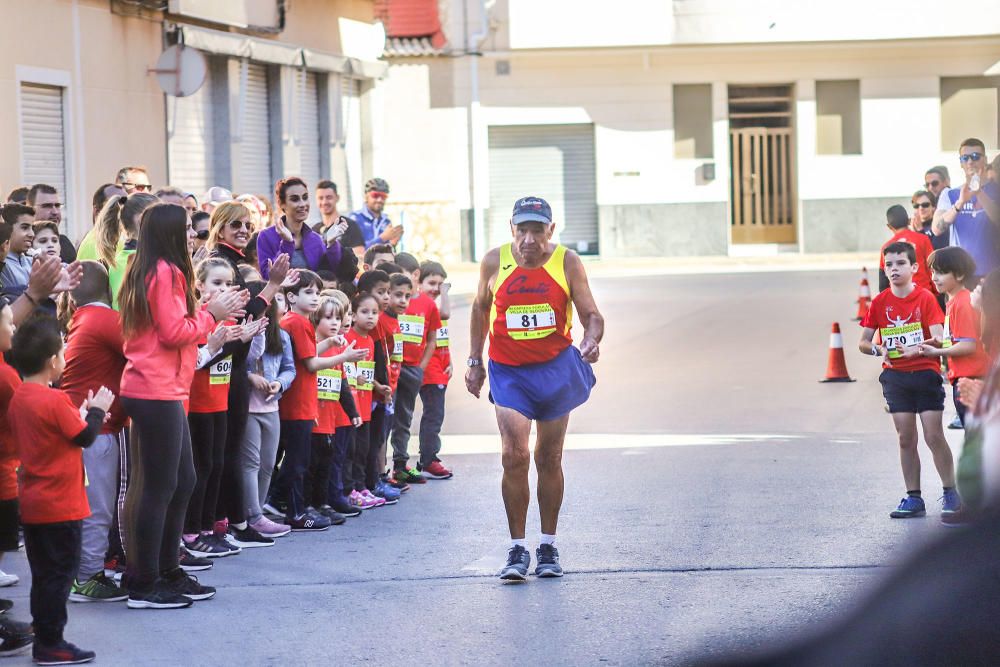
(228, 304)
(278, 269)
(283, 231)
(352, 354)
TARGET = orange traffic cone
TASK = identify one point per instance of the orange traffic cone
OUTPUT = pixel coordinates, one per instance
(836, 366)
(864, 296)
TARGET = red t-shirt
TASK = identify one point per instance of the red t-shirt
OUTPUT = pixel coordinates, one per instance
(421, 317)
(300, 402)
(922, 243)
(393, 346)
(43, 422)
(329, 384)
(908, 319)
(95, 359)
(362, 373)
(210, 384)
(962, 322)
(435, 373)
(9, 382)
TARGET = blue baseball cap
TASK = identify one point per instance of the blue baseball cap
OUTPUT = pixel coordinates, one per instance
(531, 209)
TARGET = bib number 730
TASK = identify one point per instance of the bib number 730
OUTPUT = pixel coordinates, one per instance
(907, 335)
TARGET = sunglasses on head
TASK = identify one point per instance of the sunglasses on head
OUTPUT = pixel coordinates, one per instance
(932, 184)
(202, 234)
(236, 225)
(970, 157)
(922, 204)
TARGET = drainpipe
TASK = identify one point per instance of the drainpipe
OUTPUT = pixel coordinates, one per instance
(479, 239)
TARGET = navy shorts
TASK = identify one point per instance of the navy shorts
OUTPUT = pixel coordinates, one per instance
(546, 391)
(916, 391)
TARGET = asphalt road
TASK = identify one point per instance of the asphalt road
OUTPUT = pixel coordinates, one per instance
(736, 500)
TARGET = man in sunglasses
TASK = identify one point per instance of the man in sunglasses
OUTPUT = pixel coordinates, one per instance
(45, 200)
(937, 180)
(133, 179)
(969, 214)
(375, 225)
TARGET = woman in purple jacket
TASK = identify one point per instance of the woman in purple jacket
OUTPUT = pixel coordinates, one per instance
(292, 236)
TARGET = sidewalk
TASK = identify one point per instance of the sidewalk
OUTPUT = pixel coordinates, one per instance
(465, 275)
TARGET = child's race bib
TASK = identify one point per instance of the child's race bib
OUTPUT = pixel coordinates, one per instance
(412, 328)
(907, 335)
(530, 322)
(218, 373)
(397, 348)
(443, 339)
(351, 373)
(328, 384)
(946, 341)
(366, 375)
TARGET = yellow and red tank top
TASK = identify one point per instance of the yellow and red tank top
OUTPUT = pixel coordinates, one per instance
(532, 311)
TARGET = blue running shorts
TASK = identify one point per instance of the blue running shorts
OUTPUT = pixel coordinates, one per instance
(546, 391)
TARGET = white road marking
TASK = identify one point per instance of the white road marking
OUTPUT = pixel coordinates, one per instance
(487, 444)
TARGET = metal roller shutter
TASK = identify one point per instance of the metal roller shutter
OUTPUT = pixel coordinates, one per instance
(43, 137)
(308, 134)
(254, 168)
(555, 162)
(351, 110)
(190, 131)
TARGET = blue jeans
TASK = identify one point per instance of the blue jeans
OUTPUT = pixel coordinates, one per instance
(432, 398)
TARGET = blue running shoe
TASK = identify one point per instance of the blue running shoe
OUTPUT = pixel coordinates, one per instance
(518, 561)
(951, 502)
(548, 561)
(386, 492)
(910, 506)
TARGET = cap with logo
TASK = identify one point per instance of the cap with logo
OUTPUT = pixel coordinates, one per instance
(531, 209)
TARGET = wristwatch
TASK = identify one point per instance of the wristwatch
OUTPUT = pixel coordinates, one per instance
(472, 363)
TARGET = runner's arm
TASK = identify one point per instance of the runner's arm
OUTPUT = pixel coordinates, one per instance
(866, 346)
(475, 376)
(586, 307)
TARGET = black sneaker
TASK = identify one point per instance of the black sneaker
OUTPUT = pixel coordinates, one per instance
(187, 585)
(335, 517)
(62, 653)
(5, 606)
(309, 522)
(206, 546)
(548, 561)
(160, 596)
(518, 560)
(191, 563)
(15, 638)
(344, 508)
(248, 538)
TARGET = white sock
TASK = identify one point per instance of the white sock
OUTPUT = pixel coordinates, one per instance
(240, 526)
(548, 539)
(519, 543)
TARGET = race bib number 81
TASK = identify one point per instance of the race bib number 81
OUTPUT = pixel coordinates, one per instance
(220, 371)
(530, 322)
(907, 335)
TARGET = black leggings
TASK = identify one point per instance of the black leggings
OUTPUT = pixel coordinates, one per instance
(375, 463)
(317, 481)
(162, 480)
(230, 500)
(359, 464)
(208, 443)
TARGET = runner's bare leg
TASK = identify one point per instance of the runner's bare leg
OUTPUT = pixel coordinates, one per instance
(548, 463)
(515, 431)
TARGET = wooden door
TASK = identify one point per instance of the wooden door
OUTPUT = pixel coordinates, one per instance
(762, 201)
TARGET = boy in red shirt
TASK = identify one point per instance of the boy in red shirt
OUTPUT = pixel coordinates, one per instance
(961, 344)
(436, 377)
(299, 405)
(94, 358)
(419, 326)
(899, 224)
(50, 432)
(15, 637)
(905, 316)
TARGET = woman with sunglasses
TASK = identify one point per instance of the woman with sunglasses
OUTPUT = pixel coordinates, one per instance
(924, 204)
(291, 235)
(115, 236)
(229, 235)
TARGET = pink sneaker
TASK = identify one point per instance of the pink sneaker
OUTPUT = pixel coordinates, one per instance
(358, 499)
(269, 528)
(372, 498)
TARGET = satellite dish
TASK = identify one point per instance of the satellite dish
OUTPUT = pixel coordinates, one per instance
(181, 70)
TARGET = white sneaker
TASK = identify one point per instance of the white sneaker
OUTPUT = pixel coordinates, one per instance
(8, 579)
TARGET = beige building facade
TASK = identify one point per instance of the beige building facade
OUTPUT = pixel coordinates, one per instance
(289, 90)
(692, 127)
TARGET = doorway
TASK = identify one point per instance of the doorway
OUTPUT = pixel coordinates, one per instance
(762, 165)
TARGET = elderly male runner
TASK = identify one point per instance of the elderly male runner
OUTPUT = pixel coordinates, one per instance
(527, 290)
